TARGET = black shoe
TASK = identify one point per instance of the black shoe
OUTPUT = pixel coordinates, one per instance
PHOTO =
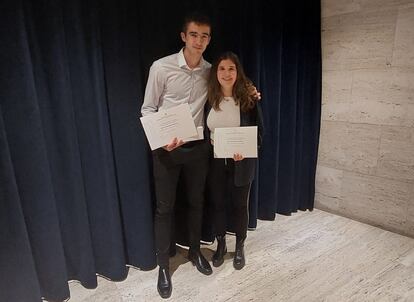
(218, 257)
(239, 261)
(200, 262)
(164, 285)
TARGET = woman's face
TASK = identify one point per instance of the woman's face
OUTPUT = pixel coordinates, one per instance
(227, 73)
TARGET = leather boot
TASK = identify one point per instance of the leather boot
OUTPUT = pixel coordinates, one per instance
(200, 262)
(164, 284)
(218, 257)
(239, 261)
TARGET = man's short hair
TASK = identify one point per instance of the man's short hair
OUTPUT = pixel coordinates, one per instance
(197, 18)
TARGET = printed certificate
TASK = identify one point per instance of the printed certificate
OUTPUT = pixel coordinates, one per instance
(242, 140)
(162, 126)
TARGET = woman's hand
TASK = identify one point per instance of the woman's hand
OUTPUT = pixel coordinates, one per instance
(237, 157)
(252, 90)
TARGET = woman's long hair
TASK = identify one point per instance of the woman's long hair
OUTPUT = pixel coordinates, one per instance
(241, 92)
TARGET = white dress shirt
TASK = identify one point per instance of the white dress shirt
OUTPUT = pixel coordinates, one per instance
(171, 82)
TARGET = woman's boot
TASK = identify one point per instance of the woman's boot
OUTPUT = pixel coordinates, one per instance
(239, 261)
(218, 257)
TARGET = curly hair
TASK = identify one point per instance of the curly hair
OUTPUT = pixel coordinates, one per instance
(241, 87)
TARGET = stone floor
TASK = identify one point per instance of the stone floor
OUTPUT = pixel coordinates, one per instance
(309, 256)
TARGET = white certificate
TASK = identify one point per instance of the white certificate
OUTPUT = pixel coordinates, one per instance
(200, 135)
(242, 140)
(162, 126)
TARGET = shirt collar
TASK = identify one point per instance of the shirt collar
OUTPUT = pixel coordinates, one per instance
(183, 64)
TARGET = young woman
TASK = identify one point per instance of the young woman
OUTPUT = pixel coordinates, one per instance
(231, 103)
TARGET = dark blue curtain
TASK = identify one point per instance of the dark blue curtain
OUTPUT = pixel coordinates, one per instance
(75, 177)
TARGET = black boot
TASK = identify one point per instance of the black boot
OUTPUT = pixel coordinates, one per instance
(164, 285)
(239, 261)
(199, 261)
(218, 257)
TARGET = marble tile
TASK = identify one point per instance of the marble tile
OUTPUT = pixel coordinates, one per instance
(328, 188)
(329, 181)
(409, 117)
(331, 152)
(328, 203)
(389, 85)
(394, 283)
(365, 248)
(332, 8)
(404, 38)
(78, 292)
(333, 111)
(376, 200)
(295, 266)
(368, 128)
(358, 40)
(375, 5)
(396, 159)
(377, 113)
(300, 275)
(360, 19)
(382, 97)
(359, 48)
(354, 266)
(407, 259)
(397, 134)
(336, 87)
(138, 286)
(288, 233)
(410, 214)
(348, 146)
(288, 259)
(336, 95)
(105, 292)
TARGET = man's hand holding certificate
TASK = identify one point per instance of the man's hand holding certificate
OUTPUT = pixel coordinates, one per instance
(235, 140)
(163, 126)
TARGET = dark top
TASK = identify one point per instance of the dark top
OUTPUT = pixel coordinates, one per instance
(245, 169)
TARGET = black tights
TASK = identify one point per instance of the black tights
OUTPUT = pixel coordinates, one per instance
(222, 190)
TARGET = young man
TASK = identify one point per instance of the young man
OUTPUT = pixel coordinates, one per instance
(174, 80)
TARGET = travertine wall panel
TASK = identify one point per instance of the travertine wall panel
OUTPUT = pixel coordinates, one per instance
(409, 115)
(396, 159)
(359, 40)
(410, 213)
(366, 153)
(404, 38)
(336, 95)
(329, 183)
(373, 198)
(332, 8)
(347, 146)
(390, 85)
(336, 86)
(379, 113)
(374, 5)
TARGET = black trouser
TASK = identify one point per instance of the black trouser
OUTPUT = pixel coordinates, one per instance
(221, 190)
(191, 162)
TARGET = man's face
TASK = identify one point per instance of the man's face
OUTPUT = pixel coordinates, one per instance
(196, 38)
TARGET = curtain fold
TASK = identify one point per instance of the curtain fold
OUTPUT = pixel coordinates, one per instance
(57, 125)
(76, 190)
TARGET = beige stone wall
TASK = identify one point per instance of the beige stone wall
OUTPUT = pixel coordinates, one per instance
(366, 153)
